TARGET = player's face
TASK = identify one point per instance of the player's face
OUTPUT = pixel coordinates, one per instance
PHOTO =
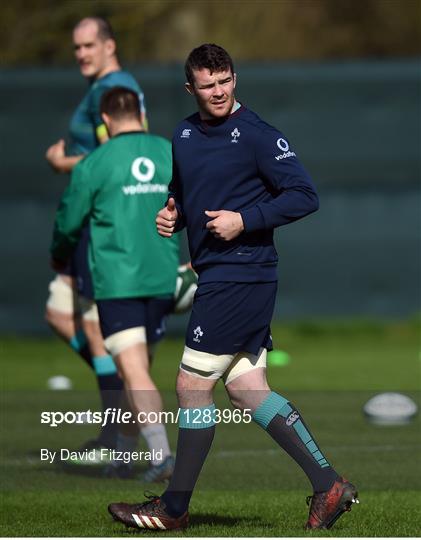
(92, 53)
(214, 92)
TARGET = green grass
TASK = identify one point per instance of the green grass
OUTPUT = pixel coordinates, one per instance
(248, 487)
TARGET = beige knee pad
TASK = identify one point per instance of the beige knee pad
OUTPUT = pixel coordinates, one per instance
(88, 309)
(205, 365)
(117, 343)
(61, 296)
(244, 362)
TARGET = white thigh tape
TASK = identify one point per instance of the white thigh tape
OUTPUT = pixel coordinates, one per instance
(61, 297)
(117, 343)
(88, 309)
(244, 362)
(205, 365)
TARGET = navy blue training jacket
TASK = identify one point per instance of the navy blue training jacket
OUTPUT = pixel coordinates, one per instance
(243, 164)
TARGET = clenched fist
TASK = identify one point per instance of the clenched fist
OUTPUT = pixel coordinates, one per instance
(226, 225)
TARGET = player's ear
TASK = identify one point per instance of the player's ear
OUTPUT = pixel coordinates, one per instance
(189, 88)
(234, 78)
(110, 47)
(106, 119)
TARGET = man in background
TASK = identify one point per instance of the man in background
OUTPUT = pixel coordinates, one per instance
(70, 311)
(119, 188)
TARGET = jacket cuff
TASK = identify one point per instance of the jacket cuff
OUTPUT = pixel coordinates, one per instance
(252, 219)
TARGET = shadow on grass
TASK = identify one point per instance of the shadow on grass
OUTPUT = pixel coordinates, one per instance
(226, 521)
(67, 467)
(198, 520)
(96, 471)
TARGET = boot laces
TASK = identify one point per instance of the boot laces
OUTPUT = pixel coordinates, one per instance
(153, 502)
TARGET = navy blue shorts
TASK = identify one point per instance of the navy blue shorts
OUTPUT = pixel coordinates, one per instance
(229, 317)
(79, 267)
(116, 315)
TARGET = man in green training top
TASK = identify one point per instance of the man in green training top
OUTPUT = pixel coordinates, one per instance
(119, 188)
(70, 310)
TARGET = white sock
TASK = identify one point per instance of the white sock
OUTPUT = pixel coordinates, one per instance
(125, 443)
(155, 436)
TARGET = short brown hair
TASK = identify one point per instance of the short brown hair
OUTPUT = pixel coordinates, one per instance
(210, 56)
(105, 30)
(120, 102)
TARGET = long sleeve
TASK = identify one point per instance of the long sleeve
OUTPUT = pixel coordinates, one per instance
(175, 191)
(73, 212)
(294, 195)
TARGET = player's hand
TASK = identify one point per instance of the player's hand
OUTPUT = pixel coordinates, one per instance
(166, 218)
(226, 225)
(55, 154)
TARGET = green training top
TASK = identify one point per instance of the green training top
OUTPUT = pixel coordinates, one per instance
(86, 121)
(119, 188)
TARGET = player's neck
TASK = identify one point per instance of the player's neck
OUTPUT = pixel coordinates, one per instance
(125, 127)
(113, 65)
(235, 106)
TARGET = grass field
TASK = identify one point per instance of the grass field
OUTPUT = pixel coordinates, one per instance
(248, 487)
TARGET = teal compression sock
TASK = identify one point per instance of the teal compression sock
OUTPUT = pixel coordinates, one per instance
(284, 423)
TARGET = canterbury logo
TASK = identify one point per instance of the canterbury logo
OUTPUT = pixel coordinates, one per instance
(293, 417)
(145, 522)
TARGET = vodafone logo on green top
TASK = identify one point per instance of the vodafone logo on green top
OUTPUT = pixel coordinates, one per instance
(143, 169)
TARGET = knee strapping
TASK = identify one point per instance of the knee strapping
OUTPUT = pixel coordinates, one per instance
(116, 343)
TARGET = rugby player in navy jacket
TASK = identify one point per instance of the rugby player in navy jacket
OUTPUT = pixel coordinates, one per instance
(235, 178)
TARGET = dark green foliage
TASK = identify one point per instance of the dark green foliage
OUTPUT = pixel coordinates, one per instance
(39, 31)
